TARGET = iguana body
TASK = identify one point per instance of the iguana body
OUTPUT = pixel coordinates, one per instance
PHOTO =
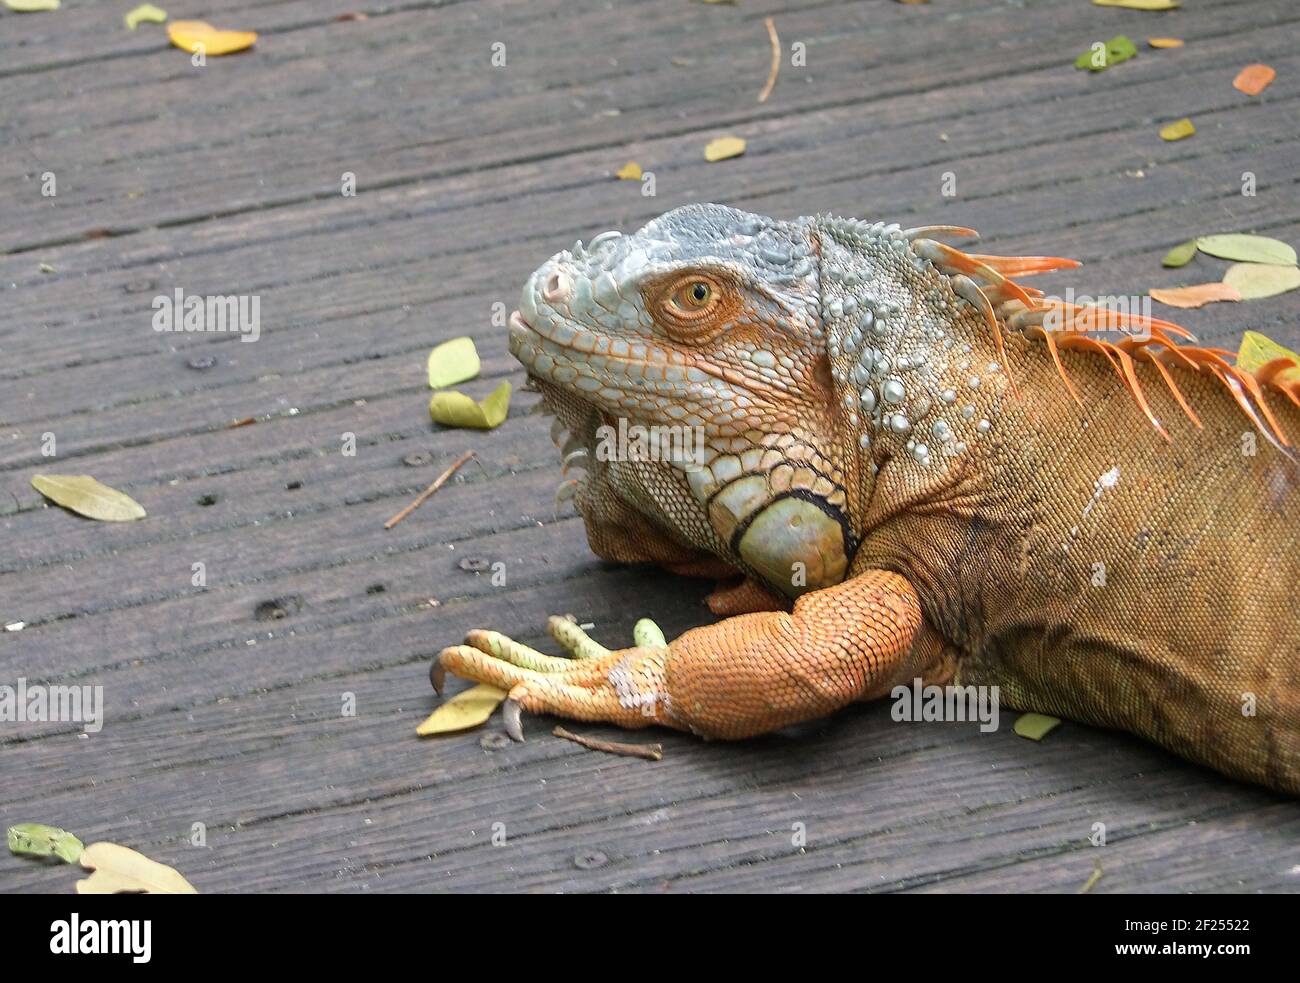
(1105, 529)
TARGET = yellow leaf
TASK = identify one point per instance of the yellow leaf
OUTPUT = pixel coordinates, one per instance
(455, 409)
(31, 6)
(724, 147)
(1035, 726)
(1254, 79)
(463, 711)
(1139, 4)
(1165, 42)
(1177, 131)
(145, 13)
(84, 495)
(1258, 350)
(200, 36)
(1194, 296)
(631, 171)
(118, 870)
(1256, 280)
(452, 362)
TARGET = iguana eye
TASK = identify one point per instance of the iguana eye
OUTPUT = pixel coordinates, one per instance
(698, 293)
(693, 298)
(692, 306)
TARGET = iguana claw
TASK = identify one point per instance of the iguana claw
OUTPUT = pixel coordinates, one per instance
(594, 683)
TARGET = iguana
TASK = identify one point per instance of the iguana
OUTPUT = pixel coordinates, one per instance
(949, 474)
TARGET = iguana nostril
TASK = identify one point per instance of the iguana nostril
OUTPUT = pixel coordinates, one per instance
(557, 288)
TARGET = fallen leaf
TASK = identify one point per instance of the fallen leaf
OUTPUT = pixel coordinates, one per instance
(46, 268)
(724, 147)
(452, 362)
(1258, 350)
(1256, 280)
(455, 409)
(631, 171)
(1035, 726)
(197, 35)
(1254, 79)
(1114, 51)
(1165, 42)
(1194, 296)
(463, 711)
(117, 870)
(145, 13)
(1180, 255)
(31, 6)
(84, 495)
(1248, 249)
(1139, 4)
(39, 840)
(1179, 130)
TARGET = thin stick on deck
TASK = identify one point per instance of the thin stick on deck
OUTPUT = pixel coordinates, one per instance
(438, 482)
(651, 752)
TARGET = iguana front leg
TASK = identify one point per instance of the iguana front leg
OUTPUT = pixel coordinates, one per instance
(748, 675)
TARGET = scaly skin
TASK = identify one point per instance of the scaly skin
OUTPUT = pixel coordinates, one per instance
(888, 441)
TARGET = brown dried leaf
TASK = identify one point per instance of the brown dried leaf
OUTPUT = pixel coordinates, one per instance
(1197, 295)
(1254, 79)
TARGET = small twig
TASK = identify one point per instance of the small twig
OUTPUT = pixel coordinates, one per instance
(1091, 882)
(651, 752)
(438, 482)
(776, 60)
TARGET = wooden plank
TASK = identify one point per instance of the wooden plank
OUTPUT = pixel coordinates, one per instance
(222, 713)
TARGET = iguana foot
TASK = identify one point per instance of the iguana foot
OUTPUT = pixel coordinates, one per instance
(748, 675)
(594, 684)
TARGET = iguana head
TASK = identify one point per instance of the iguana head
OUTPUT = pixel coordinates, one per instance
(689, 361)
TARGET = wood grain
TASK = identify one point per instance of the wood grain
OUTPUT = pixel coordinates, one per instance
(224, 702)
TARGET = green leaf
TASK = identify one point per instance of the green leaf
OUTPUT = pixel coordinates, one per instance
(1180, 255)
(84, 495)
(452, 362)
(455, 409)
(39, 840)
(146, 12)
(1248, 249)
(1098, 56)
(31, 6)
(1035, 726)
(1256, 280)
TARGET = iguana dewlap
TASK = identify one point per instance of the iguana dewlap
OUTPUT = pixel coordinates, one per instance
(948, 476)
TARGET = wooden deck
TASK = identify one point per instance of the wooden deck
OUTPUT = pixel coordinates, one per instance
(224, 703)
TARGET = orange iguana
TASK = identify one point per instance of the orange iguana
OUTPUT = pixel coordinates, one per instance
(952, 476)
